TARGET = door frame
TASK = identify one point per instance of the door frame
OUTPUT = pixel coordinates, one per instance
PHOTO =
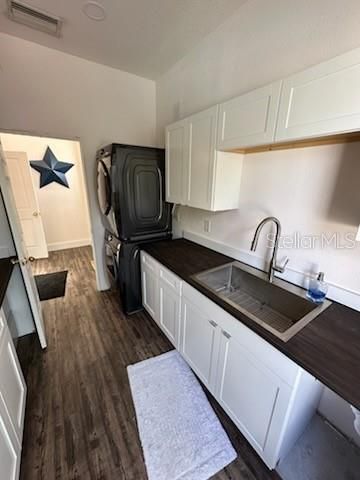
(83, 181)
(14, 226)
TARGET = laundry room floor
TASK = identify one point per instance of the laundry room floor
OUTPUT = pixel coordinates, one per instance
(80, 420)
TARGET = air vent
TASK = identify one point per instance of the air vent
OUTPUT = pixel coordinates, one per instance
(34, 18)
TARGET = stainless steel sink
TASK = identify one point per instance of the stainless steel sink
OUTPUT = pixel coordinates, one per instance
(280, 307)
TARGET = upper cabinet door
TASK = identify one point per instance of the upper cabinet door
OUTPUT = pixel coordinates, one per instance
(202, 147)
(250, 119)
(177, 154)
(321, 100)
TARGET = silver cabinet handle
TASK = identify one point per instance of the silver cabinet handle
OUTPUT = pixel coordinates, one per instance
(226, 334)
(212, 323)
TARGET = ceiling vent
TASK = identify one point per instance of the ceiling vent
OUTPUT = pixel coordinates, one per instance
(34, 18)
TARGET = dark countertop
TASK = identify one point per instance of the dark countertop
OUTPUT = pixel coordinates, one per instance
(328, 347)
(6, 268)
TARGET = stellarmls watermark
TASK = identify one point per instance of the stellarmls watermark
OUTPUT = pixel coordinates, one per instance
(301, 241)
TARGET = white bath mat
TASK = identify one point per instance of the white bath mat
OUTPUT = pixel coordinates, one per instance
(181, 436)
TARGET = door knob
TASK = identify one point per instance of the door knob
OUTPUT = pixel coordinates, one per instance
(23, 261)
(36, 214)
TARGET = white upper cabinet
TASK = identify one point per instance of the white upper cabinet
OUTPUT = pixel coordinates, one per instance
(202, 156)
(322, 100)
(250, 119)
(197, 175)
(177, 152)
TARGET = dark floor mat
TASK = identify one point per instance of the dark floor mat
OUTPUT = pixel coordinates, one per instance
(51, 285)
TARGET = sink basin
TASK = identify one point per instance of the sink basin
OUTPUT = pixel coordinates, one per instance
(280, 307)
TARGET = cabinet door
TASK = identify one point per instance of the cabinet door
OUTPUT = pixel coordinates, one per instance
(199, 342)
(321, 100)
(10, 451)
(177, 156)
(251, 395)
(250, 119)
(202, 134)
(150, 286)
(169, 312)
(12, 385)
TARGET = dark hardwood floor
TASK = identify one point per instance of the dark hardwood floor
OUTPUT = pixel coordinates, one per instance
(80, 420)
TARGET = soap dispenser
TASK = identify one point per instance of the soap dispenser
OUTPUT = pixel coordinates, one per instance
(317, 288)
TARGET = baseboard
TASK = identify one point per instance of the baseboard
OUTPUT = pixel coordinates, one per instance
(83, 242)
(346, 296)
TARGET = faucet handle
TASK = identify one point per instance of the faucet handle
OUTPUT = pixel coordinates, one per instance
(281, 268)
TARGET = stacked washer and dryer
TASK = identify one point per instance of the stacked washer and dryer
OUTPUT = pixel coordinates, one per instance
(131, 193)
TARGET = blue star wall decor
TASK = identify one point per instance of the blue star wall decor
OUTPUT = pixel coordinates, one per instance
(51, 170)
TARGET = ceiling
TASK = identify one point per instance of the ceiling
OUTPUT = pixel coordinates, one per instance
(144, 37)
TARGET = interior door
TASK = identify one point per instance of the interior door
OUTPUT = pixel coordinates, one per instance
(27, 204)
(23, 256)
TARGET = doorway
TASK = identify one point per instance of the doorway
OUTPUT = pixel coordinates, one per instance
(53, 216)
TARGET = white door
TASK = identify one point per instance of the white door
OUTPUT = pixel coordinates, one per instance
(177, 156)
(169, 312)
(26, 203)
(199, 338)
(202, 158)
(23, 256)
(250, 119)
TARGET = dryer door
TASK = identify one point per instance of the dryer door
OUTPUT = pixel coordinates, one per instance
(104, 187)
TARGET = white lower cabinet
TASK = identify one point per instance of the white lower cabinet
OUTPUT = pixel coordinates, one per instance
(12, 405)
(149, 284)
(199, 341)
(252, 395)
(169, 312)
(268, 396)
(10, 451)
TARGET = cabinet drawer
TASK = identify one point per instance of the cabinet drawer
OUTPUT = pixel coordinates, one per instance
(170, 279)
(280, 365)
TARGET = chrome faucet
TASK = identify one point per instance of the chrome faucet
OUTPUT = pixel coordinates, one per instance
(274, 267)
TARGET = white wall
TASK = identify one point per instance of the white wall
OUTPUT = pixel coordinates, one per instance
(46, 92)
(64, 211)
(264, 41)
(310, 190)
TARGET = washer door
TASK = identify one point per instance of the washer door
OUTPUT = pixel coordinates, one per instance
(104, 188)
